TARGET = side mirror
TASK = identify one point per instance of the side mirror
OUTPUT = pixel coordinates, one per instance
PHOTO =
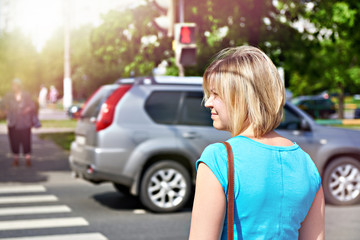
(304, 125)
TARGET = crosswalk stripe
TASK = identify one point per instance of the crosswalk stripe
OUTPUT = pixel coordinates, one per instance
(34, 210)
(28, 199)
(22, 189)
(42, 223)
(81, 236)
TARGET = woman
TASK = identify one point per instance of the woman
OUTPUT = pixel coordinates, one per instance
(20, 109)
(278, 193)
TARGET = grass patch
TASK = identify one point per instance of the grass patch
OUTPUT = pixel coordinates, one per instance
(70, 123)
(61, 139)
(348, 100)
(355, 127)
(67, 123)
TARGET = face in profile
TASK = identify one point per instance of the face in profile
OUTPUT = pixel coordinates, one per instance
(219, 113)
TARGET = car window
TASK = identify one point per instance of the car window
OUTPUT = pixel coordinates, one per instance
(193, 111)
(93, 105)
(290, 121)
(162, 106)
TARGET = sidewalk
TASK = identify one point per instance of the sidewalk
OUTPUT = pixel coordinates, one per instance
(4, 130)
(46, 157)
(52, 114)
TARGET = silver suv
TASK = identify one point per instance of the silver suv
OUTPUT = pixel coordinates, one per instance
(145, 134)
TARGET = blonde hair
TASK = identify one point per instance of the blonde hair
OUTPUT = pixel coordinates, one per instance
(248, 82)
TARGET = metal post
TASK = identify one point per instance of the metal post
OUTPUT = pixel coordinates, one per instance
(181, 20)
(181, 11)
(171, 18)
(181, 70)
(67, 98)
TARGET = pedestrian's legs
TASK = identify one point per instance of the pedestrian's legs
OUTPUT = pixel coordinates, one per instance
(28, 160)
(15, 160)
(26, 144)
(14, 144)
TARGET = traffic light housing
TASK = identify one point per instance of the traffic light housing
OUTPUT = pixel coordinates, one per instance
(185, 43)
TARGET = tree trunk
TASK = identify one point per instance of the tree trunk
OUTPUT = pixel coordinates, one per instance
(341, 101)
(254, 13)
(257, 13)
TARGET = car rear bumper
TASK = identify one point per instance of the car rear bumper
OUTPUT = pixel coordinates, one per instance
(85, 171)
(92, 164)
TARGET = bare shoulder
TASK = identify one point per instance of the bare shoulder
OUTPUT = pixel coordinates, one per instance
(275, 139)
(281, 141)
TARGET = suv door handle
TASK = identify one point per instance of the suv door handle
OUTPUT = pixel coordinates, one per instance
(190, 135)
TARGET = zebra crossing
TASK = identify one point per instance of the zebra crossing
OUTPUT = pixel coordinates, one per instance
(23, 207)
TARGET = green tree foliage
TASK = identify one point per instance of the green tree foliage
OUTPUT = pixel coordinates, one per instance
(52, 61)
(230, 23)
(18, 59)
(128, 41)
(87, 73)
(334, 64)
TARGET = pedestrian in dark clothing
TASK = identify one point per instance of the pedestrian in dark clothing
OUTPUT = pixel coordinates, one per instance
(20, 109)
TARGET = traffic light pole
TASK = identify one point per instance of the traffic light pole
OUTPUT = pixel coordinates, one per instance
(181, 11)
(67, 83)
(181, 20)
(181, 70)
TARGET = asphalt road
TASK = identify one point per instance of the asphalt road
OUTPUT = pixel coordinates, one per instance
(106, 212)
(57, 205)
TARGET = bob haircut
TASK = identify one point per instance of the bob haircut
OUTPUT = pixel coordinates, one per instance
(249, 84)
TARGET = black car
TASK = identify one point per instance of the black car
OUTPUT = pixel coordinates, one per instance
(315, 106)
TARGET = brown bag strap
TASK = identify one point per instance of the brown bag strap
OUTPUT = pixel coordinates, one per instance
(231, 194)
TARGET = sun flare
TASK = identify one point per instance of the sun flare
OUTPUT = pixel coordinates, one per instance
(38, 19)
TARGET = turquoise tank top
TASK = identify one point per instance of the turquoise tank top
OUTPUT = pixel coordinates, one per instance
(274, 187)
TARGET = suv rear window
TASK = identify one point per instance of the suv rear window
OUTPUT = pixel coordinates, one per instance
(162, 107)
(93, 104)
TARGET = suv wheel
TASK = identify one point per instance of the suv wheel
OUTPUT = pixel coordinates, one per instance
(165, 187)
(342, 181)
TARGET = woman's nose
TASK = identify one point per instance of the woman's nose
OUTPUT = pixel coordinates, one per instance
(208, 103)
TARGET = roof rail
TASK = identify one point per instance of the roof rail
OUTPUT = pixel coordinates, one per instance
(125, 81)
(160, 80)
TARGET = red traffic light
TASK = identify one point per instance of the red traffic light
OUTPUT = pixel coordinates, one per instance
(187, 35)
(185, 44)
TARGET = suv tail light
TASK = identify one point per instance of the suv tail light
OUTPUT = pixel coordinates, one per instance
(107, 110)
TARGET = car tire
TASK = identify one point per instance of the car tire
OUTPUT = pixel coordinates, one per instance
(341, 181)
(165, 186)
(122, 189)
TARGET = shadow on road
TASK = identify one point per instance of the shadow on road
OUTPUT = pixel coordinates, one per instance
(46, 156)
(118, 201)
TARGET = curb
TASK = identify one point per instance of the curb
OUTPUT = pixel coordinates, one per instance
(52, 130)
(338, 121)
(4, 130)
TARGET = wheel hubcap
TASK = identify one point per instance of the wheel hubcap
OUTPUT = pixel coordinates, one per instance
(167, 188)
(345, 182)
